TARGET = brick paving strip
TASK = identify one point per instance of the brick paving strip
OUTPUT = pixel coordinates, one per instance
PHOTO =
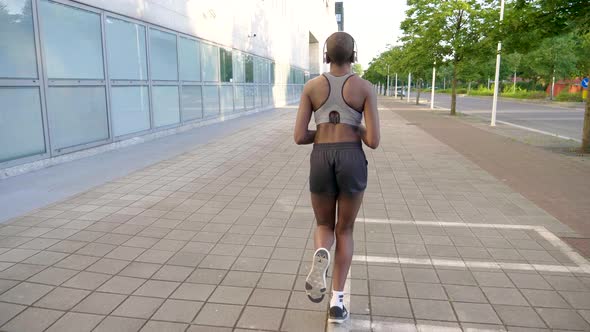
(219, 239)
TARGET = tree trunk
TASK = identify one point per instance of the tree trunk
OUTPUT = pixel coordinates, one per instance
(454, 89)
(418, 94)
(586, 130)
(468, 87)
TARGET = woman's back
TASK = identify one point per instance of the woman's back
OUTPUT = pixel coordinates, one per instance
(354, 95)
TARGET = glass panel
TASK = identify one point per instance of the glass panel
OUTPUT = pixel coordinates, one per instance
(264, 94)
(17, 41)
(190, 60)
(227, 99)
(126, 50)
(272, 72)
(249, 69)
(250, 92)
(77, 115)
(238, 70)
(130, 109)
(210, 63)
(225, 63)
(72, 42)
(163, 60)
(259, 94)
(239, 97)
(166, 108)
(192, 102)
(210, 100)
(21, 125)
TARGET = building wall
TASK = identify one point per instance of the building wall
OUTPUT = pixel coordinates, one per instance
(77, 75)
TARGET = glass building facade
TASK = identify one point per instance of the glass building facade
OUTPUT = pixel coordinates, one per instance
(73, 77)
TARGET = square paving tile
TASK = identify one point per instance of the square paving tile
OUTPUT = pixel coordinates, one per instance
(62, 298)
(578, 300)
(217, 262)
(276, 281)
(157, 288)
(519, 316)
(386, 324)
(99, 303)
(173, 273)
(465, 293)
(301, 320)
(492, 279)
(532, 281)
(75, 322)
(140, 270)
(207, 276)
(388, 288)
(433, 310)
(509, 296)
(138, 307)
(32, 320)
(390, 306)
(241, 278)
(25, 293)
(269, 298)
(230, 295)
(121, 285)
(194, 292)
(87, 280)
(218, 314)
(261, 318)
(120, 324)
(53, 276)
(9, 310)
(566, 319)
(545, 298)
(426, 291)
(250, 264)
(153, 326)
(76, 262)
(476, 313)
(108, 266)
(178, 311)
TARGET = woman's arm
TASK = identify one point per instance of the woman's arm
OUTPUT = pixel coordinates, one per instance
(302, 134)
(371, 135)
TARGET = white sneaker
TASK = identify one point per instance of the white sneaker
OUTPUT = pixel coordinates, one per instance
(315, 284)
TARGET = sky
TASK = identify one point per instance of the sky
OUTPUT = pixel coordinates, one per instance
(373, 24)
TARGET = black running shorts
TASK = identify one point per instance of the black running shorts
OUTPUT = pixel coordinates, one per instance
(338, 168)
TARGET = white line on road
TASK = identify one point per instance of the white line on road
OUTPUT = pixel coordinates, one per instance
(539, 131)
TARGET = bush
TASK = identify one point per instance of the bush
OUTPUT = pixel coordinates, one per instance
(522, 94)
(482, 91)
(566, 96)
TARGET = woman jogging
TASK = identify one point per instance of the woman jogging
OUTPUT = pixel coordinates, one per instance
(338, 175)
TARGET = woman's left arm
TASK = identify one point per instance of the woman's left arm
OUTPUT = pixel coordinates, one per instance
(302, 134)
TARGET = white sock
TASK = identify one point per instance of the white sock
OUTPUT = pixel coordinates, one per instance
(337, 299)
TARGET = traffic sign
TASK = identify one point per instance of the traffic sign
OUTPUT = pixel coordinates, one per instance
(585, 83)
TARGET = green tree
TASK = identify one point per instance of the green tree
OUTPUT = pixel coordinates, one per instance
(357, 69)
(453, 30)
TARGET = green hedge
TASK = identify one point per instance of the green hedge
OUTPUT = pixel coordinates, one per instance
(566, 96)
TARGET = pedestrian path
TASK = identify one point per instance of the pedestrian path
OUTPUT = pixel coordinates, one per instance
(220, 239)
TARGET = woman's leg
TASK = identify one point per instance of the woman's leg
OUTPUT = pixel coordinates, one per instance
(348, 208)
(324, 208)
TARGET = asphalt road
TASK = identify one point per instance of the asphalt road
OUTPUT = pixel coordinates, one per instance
(553, 119)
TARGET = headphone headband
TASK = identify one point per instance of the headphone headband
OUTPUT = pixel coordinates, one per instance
(353, 56)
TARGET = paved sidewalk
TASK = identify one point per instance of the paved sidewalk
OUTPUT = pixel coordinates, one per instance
(219, 239)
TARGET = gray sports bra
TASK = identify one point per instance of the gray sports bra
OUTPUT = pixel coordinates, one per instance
(335, 109)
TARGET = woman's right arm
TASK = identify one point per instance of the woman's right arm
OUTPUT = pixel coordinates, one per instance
(371, 134)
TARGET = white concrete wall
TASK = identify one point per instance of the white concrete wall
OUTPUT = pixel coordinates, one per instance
(281, 26)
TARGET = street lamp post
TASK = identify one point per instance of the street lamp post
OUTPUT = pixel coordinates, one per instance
(497, 78)
(395, 91)
(433, 82)
(387, 90)
(409, 85)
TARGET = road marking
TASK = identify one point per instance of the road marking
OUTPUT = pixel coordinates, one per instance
(583, 266)
(539, 131)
